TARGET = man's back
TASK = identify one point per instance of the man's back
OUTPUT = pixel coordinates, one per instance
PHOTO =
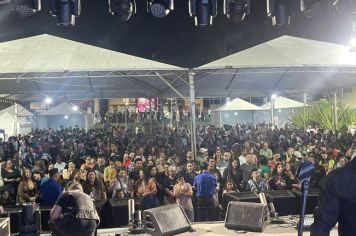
(337, 203)
(50, 190)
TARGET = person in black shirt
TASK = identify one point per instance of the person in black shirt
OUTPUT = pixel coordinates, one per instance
(337, 203)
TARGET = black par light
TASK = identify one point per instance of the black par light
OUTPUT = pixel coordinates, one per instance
(203, 11)
(66, 11)
(27, 8)
(160, 8)
(236, 10)
(279, 12)
(123, 9)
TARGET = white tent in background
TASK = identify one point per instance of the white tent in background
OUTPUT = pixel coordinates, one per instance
(284, 108)
(65, 116)
(25, 120)
(233, 112)
(283, 103)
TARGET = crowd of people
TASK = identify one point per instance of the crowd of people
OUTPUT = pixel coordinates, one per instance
(160, 168)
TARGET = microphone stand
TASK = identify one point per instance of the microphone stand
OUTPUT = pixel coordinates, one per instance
(305, 190)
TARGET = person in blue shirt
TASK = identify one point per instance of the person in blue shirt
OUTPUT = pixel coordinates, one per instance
(205, 185)
(51, 189)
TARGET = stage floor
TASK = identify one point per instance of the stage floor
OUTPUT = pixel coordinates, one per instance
(217, 229)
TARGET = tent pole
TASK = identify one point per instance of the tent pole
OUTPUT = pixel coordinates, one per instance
(221, 122)
(16, 119)
(272, 113)
(162, 113)
(305, 111)
(335, 111)
(192, 106)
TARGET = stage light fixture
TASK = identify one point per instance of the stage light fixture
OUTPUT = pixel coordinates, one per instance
(27, 8)
(236, 10)
(123, 9)
(75, 108)
(203, 11)
(160, 8)
(279, 12)
(311, 8)
(48, 100)
(65, 11)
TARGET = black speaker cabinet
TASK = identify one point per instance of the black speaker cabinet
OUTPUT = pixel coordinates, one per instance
(284, 201)
(247, 216)
(166, 220)
(241, 197)
(119, 212)
(312, 200)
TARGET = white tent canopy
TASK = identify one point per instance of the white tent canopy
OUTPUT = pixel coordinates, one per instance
(238, 104)
(283, 103)
(64, 116)
(45, 65)
(16, 122)
(289, 64)
(62, 109)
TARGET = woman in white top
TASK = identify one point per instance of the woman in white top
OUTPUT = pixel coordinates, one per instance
(122, 186)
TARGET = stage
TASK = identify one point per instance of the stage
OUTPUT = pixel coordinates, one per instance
(217, 229)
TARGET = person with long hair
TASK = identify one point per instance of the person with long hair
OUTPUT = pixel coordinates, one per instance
(11, 178)
(279, 180)
(234, 173)
(121, 187)
(146, 188)
(27, 190)
(94, 187)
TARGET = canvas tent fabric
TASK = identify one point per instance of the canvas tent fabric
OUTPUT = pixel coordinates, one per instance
(45, 65)
(63, 116)
(289, 64)
(23, 124)
(238, 104)
(233, 112)
(283, 103)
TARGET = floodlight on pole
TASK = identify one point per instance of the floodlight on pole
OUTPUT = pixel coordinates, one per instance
(48, 100)
(75, 108)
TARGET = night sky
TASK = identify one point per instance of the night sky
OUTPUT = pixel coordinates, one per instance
(174, 39)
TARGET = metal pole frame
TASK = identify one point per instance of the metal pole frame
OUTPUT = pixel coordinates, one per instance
(335, 111)
(192, 106)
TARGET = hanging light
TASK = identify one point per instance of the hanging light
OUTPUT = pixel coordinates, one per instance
(27, 8)
(75, 108)
(311, 8)
(123, 9)
(66, 11)
(236, 10)
(160, 8)
(203, 11)
(48, 100)
(279, 12)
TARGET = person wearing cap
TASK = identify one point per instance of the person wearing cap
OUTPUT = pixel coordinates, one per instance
(205, 185)
(51, 189)
(183, 193)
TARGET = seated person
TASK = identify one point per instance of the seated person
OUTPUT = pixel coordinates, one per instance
(6, 199)
(74, 213)
(256, 183)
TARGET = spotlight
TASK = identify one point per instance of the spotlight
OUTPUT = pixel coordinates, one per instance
(278, 11)
(160, 8)
(48, 100)
(236, 10)
(274, 96)
(66, 117)
(75, 108)
(311, 8)
(203, 11)
(27, 8)
(65, 11)
(124, 9)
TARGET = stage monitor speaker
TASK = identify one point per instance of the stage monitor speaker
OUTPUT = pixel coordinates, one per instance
(312, 200)
(284, 201)
(119, 212)
(241, 197)
(166, 220)
(247, 216)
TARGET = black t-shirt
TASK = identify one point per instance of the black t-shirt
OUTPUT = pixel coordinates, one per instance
(67, 202)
